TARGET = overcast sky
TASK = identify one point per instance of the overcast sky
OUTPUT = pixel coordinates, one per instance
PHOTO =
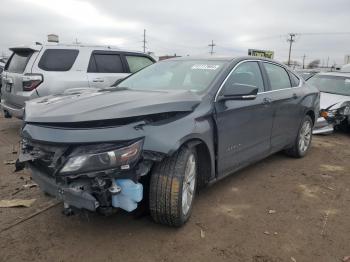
(185, 26)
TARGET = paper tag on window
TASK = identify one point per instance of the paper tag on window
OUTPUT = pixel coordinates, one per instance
(205, 67)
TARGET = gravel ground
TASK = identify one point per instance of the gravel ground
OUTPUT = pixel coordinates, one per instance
(280, 209)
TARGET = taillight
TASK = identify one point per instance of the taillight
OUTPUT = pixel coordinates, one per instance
(31, 81)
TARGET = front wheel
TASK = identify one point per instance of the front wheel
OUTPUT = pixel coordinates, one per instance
(172, 188)
(303, 141)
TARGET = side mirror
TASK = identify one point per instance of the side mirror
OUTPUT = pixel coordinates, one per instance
(238, 91)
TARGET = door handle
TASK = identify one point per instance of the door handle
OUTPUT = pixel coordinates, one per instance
(98, 80)
(267, 101)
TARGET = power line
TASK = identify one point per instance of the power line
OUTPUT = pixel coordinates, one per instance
(144, 40)
(212, 47)
(291, 39)
(304, 56)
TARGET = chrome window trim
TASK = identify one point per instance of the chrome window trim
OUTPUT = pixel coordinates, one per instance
(270, 91)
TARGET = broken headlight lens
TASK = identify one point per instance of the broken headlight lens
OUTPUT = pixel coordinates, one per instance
(121, 158)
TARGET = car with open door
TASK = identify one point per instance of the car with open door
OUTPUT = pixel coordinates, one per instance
(164, 132)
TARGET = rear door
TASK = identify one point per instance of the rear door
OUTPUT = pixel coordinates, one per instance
(105, 68)
(19, 64)
(286, 96)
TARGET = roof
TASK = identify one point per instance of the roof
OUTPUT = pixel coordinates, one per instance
(222, 58)
(37, 47)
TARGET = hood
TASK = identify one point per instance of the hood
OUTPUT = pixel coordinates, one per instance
(332, 101)
(105, 104)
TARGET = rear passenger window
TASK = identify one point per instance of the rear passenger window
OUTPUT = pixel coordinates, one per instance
(58, 59)
(136, 63)
(247, 74)
(105, 63)
(18, 62)
(278, 76)
(294, 79)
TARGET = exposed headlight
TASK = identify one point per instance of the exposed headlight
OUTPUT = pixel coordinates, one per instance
(345, 110)
(328, 113)
(122, 158)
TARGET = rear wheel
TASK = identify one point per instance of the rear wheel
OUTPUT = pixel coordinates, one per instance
(172, 188)
(303, 141)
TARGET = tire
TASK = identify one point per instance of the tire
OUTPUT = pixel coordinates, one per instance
(169, 189)
(302, 143)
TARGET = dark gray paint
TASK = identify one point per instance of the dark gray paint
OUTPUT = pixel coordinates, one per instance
(235, 133)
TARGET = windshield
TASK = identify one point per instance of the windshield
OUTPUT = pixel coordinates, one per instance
(339, 85)
(194, 75)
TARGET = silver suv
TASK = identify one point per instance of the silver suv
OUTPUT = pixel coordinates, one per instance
(41, 70)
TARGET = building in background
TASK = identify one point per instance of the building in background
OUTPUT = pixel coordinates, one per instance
(167, 57)
(261, 53)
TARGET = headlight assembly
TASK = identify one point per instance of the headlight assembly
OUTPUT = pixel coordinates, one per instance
(122, 158)
(345, 110)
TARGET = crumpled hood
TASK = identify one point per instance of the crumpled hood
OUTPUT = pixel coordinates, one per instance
(91, 105)
(332, 101)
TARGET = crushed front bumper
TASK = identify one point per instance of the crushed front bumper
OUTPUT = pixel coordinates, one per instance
(322, 126)
(73, 196)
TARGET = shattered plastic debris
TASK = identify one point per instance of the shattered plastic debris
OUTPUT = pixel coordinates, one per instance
(31, 185)
(17, 203)
(346, 259)
(202, 233)
(271, 211)
(293, 259)
(267, 233)
(10, 162)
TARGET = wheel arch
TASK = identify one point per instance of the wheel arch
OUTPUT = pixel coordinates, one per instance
(311, 114)
(205, 159)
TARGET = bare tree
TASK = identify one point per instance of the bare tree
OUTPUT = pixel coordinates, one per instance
(314, 63)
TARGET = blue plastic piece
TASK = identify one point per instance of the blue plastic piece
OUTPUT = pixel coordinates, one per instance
(131, 193)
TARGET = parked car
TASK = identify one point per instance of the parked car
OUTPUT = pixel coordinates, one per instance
(2, 65)
(41, 70)
(335, 101)
(165, 131)
(307, 73)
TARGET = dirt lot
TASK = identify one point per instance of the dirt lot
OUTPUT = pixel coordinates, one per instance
(280, 209)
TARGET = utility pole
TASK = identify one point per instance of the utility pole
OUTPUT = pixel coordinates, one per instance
(327, 61)
(290, 40)
(212, 47)
(304, 56)
(144, 40)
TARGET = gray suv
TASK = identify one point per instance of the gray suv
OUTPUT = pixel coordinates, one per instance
(41, 70)
(165, 131)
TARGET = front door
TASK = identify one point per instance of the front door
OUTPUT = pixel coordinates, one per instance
(244, 126)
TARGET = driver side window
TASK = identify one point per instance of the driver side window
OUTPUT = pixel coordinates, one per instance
(248, 74)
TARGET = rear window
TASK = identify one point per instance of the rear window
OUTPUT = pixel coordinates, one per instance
(105, 63)
(136, 63)
(18, 62)
(58, 59)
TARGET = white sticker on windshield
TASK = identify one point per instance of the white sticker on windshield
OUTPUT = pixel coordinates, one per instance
(204, 67)
(347, 80)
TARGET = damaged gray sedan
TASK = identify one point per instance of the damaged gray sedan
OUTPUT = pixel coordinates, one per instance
(164, 132)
